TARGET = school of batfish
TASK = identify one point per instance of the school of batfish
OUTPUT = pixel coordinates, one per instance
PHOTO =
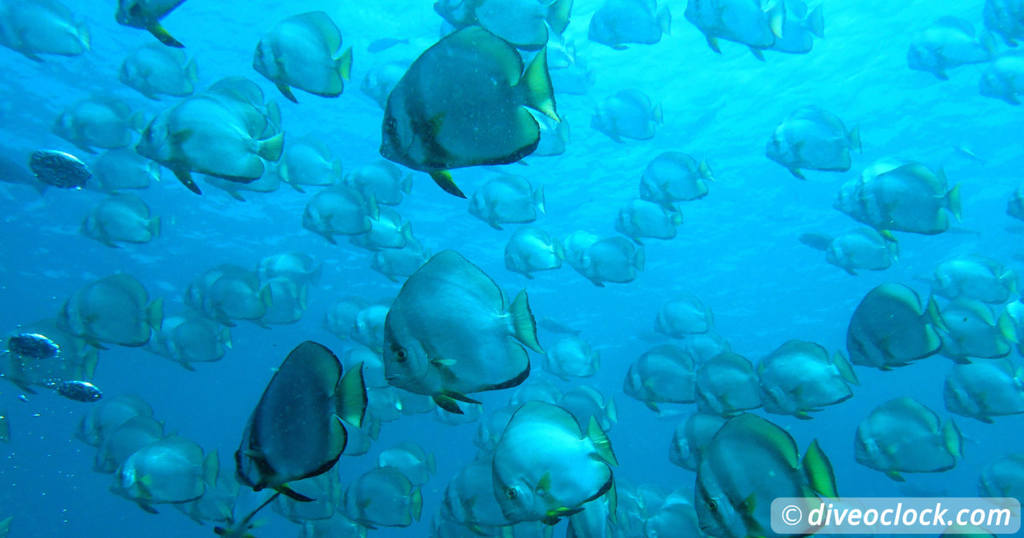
(484, 94)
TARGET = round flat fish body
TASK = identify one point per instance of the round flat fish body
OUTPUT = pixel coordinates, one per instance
(59, 169)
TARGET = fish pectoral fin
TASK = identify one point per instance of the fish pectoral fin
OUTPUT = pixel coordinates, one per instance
(147, 507)
(288, 492)
(460, 397)
(443, 178)
(446, 363)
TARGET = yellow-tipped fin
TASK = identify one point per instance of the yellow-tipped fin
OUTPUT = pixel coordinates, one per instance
(818, 470)
(443, 178)
(271, 148)
(536, 84)
(211, 468)
(155, 314)
(953, 439)
(344, 64)
(416, 504)
(1007, 328)
(953, 202)
(164, 36)
(844, 367)
(286, 91)
(523, 325)
(854, 137)
(601, 442)
(154, 226)
(350, 402)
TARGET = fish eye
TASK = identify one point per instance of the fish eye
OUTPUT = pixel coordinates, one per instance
(391, 124)
(511, 493)
(713, 505)
(400, 354)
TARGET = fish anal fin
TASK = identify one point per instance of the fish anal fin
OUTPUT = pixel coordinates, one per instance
(443, 178)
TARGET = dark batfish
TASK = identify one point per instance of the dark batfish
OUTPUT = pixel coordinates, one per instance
(80, 391)
(59, 169)
(464, 102)
(295, 432)
(33, 345)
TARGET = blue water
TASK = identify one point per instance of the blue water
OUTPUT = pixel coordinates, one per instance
(737, 249)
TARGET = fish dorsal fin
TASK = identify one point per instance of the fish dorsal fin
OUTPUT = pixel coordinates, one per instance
(601, 442)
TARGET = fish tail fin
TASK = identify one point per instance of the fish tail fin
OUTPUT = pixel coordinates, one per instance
(266, 295)
(818, 470)
(536, 84)
(271, 148)
(932, 313)
(525, 328)
(372, 208)
(337, 170)
(154, 226)
(611, 410)
(350, 396)
(443, 178)
(601, 442)
(137, 121)
(225, 336)
(953, 201)
(407, 232)
(665, 20)
(211, 468)
(815, 22)
(854, 138)
(559, 250)
(705, 171)
(92, 358)
(953, 439)
(639, 258)
(558, 15)
(155, 314)
(83, 35)
(164, 36)
(316, 274)
(776, 11)
(845, 369)
(416, 504)
(344, 64)
(407, 184)
(192, 70)
(816, 241)
(988, 44)
(657, 114)
(1007, 328)
(538, 198)
(274, 113)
